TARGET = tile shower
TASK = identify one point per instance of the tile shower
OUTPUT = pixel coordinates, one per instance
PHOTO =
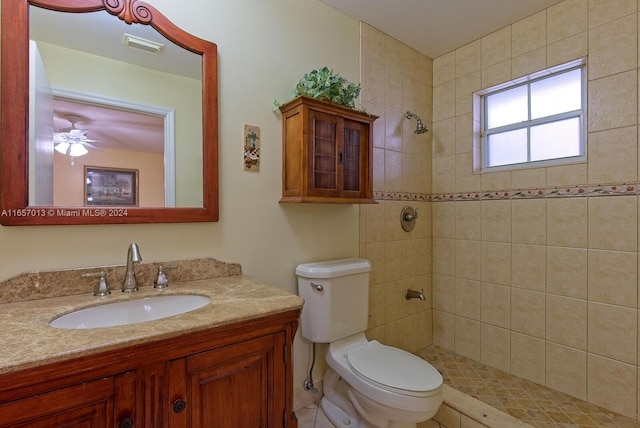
(534, 271)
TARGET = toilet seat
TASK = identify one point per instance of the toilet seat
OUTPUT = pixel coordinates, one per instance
(393, 369)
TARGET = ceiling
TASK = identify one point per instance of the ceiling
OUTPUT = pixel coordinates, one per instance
(435, 27)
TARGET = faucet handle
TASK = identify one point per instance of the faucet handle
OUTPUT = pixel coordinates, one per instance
(101, 289)
(162, 281)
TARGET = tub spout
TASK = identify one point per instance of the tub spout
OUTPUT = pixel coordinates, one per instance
(413, 294)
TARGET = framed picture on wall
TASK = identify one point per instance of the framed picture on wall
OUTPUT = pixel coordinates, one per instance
(116, 187)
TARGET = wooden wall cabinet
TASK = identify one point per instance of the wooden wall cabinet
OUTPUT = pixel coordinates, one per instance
(232, 376)
(327, 153)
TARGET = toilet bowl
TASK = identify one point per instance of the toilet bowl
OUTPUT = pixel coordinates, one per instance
(366, 384)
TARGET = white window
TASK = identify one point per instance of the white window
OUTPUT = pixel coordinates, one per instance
(537, 121)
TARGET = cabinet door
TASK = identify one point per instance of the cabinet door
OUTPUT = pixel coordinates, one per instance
(89, 405)
(352, 159)
(323, 154)
(230, 387)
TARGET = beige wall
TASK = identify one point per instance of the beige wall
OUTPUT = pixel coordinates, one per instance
(259, 61)
(69, 180)
(395, 79)
(545, 288)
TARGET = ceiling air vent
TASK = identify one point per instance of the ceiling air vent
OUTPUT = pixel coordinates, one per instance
(136, 42)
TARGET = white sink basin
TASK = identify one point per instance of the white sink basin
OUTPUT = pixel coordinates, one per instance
(130, 311)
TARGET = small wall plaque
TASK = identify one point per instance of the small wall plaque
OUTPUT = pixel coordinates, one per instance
(251, 148)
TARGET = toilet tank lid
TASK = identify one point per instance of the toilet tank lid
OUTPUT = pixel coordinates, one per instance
(333, 268)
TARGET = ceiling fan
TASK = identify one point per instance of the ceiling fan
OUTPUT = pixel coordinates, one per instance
(73, 142)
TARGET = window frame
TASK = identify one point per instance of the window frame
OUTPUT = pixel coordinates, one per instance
(480, 99)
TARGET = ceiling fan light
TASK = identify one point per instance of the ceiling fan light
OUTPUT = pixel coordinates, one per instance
(77, 149)
(62, 147)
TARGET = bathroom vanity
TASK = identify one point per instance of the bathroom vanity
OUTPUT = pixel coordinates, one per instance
(227, 364)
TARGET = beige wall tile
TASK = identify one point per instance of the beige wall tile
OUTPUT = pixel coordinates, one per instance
(566, 19)
(496, 74)
(467, 338)
(444, 68)
(613, 156)
(496, 305)
(568, 49)
(567, 272)
(394, 120)
(424, 333)
(444, 137)
(465, 87)
(529, 63)
(613, 223)
(528, 178)
(374, 82)
(567, 222)
(496, 262)
(444, 219)
(468, 259)
(467, 298)
(496, 181)
(393, 261)
(464, 133)
(444, 101)
(374, 43)
(613, 277)
(613, 332)
(528, 357)
(528, 312)
(443, 330)
(496, 221)
(376, 255)
(567, 321)
(528, 266)
(613, 47)
(602, 11)
(468, 58)
(566, 175)
(377, 305)
(529, 33)
(612, 385)
(444, 174)
(468, 220)
(378, 169)
(567, 370)
(393, 170)
(613, 101)
(496, 47)
(466, 180)
(495, 347)
(528, 221)
(443, 256)
(443, 293)
(375, 215)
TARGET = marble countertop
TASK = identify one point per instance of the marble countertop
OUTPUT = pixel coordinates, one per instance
(28, 340)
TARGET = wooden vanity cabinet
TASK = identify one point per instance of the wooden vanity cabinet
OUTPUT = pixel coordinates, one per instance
(230, 377)
(327, 153)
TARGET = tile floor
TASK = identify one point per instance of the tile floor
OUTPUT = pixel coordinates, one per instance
(525, 400)
(538, 406)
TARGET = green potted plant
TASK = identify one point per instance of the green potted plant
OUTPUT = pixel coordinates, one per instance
(323, 84)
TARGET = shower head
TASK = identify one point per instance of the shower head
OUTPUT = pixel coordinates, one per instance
(420, 128)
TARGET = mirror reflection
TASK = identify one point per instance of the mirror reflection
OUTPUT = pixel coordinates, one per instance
(122, 98)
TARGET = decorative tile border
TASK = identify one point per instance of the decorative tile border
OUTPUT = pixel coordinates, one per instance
(617, 189)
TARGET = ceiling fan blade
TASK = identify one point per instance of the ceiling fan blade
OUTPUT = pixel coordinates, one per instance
(91, 146)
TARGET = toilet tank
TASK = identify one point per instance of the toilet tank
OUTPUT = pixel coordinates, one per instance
(336, 298)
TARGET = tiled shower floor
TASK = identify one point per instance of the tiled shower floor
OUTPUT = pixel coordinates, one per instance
(525, 400)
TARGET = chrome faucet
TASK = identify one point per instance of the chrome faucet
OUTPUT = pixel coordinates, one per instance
(130, 283)
(413, 294)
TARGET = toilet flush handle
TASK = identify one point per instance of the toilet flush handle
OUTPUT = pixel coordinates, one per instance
(318, 287)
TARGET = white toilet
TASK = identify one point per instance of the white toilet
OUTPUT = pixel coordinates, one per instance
(367, 384)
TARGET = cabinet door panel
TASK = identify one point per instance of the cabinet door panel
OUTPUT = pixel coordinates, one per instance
(324, 153)
(88, 405)
(230, 387)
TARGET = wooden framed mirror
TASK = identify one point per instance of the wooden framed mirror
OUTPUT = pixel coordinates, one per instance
(17, 205)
